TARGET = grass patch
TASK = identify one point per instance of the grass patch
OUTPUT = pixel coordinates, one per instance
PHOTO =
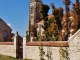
(27, 59)
(4, 57)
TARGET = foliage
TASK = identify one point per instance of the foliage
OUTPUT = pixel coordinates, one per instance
(44, 11)
(58, 15)
(41, 52)
(60, 10)
(52, 30)
(76, 14)
(49, 22)
(63, 53)
(40, 38)
(41, 48)
(53, 26)
(53, 37)
(66, 2)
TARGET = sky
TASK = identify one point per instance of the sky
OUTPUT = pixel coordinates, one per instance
(16, 13)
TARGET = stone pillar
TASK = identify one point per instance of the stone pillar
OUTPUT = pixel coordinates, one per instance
(24, 47)
(15, 42)
(31, 39)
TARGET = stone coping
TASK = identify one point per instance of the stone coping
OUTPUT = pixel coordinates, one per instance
(52, 43)
(6, 43)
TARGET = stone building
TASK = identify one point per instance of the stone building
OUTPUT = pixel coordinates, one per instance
(34, 16)
(5, 31)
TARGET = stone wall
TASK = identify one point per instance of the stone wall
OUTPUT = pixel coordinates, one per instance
(7, 48)
(74, 46)
(51, 50)
(51, 53)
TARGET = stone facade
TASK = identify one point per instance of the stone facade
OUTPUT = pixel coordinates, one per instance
(34, 11)
(34, 17)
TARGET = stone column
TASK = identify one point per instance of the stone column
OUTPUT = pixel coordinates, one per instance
(24, 47)
(15, 42)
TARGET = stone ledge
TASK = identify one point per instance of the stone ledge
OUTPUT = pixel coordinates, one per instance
(55, 43)
(6, 43)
